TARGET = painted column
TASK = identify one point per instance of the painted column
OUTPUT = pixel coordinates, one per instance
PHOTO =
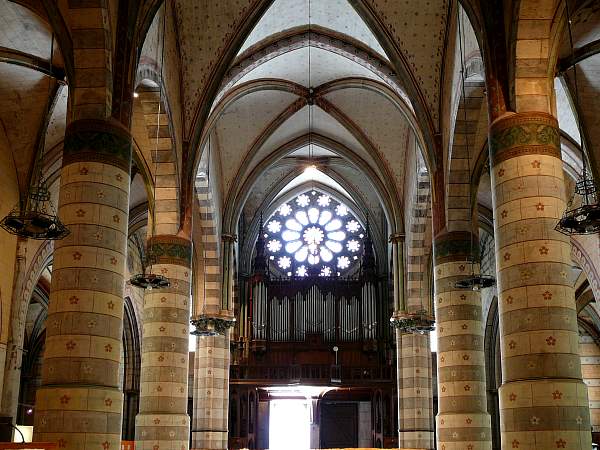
(415, 413)
(543, 400)
(213, 321)
(79, 403)
(14, 353)
(463, 422)
(163, 422)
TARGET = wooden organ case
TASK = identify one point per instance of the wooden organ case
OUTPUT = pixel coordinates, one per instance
(315, 331)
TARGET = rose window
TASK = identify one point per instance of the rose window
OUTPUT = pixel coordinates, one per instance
(313, 233)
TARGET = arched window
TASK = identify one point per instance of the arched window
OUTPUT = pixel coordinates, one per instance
(314, 234)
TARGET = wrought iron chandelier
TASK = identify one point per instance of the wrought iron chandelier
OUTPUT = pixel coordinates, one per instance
(207, 326)
(35, 217)
(582, 215)
(150, 280)
(418, 322)
(474, 281)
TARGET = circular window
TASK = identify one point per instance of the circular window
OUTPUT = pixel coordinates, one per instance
(313, 233)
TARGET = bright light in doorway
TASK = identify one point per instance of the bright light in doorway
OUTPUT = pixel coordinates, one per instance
(289, 424)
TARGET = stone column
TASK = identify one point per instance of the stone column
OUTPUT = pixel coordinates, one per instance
(79, 403)
(211, 392)
(463, 422)
(415, 414)
(543, 400)
(14, 354)
(163, 422)
(213, 321)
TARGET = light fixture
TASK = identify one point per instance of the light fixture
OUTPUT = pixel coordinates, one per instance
(474, 281)
(35, 217)
(418, 322)
(152, 280)
(582, 215)
(210, 326)
(136, 94)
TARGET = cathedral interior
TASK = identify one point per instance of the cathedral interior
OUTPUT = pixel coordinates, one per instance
(299, 224)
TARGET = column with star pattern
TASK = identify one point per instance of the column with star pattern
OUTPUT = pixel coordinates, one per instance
(543, 400)
(79, 404)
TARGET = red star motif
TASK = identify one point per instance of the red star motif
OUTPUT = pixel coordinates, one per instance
(443, 388)
(110, 305)
(515, 443)
(543, 250)
(163, 299)
(441, 329)
(509, 300)
(113, 261)
(73, 300)
(80, 212)
(108, 348)
(108, 401)
(556, 395)
(116, 219)
(162, 329)
(550, 340)
(512, 345)
(547, 295)
(461, 267)
(106, 445)
(159, 389)
(161, 358)
(536, 164)
(119, 177)
(539, 206)
(181, 390)
(466, 357)
(504, 214)
(185, 274)
(70, 345)
(470, 447)
(512, 397)
(507, 257)
(561, 443)
(443, 359)
(65, 399)
(469, 421)
(77, 256)
(463, 297)
(156, 421)
(83, 171)
(501, 173)
(442, 422)
(62, 443)
(464, 326)
(467, 387)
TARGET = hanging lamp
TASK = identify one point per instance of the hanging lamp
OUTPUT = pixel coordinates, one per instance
(35, 217)
(147, 279)
(582, 215)
(474, 281)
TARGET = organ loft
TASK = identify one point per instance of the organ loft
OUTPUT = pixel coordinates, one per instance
(299, 224)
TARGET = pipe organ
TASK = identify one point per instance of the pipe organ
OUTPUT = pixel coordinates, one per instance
(289, 309)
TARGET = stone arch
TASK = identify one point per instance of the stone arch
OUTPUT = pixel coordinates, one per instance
(534, 37)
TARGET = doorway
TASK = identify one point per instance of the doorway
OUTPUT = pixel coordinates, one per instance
(289, 424)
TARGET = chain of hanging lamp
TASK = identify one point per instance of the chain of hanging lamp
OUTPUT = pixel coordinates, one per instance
(35, 217)
(416, 322)
(582, 215)
(147, 279)
(474, 281)
(206, 325)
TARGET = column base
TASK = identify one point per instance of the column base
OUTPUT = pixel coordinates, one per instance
(464, 431)
(79, 418)
(162, 431)
(543, 414)
(209, 440)
(416, 440)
